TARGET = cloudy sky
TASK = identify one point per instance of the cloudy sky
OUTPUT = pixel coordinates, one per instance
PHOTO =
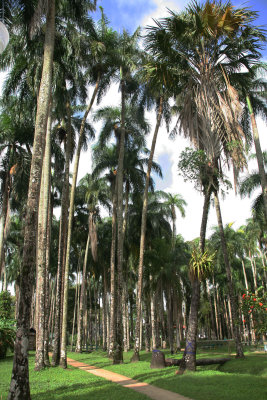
(130, 14)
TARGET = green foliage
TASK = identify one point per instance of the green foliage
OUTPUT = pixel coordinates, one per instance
(192, 165)
(7, 324)
(201, 264)
(5, 305)
(255, 304)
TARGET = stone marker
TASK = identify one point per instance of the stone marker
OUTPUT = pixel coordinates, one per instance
(158, 359)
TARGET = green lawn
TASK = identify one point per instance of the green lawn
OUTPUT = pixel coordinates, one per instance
(236, 380)
(70, 384)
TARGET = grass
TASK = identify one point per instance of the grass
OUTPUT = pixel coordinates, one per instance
(235, 380)
(69, 384)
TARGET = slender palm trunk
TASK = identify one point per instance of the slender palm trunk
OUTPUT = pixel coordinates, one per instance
(189, 356)
(80, 320)
(143, 236)
(75, 304)
(62, 243)
(153, 318)
(3, 219)
(63, 347)
(112, 327)
(19, 386)
(42, 249)
(118, 355)
(259, 156)
(239, 350)
(48, 288)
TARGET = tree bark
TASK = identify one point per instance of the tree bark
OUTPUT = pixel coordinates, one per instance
(143, 236)
(19, 386)
(112, 327)
(63, 347)
(78, 348)
(42, 248)
(62, 243)
(239, 350)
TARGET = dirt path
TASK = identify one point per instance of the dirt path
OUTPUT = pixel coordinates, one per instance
(151, 391)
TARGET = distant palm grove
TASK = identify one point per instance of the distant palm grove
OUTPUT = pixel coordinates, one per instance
(97, 262)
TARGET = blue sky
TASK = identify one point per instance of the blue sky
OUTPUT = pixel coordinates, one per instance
(130, 14)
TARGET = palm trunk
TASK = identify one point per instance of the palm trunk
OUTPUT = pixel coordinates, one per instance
(239, 350)
(112, 327)
(75, 304)
(63, 348)
(170, 317)
(62, 244)
(259, 156)
(3, 220)
(245, 275)
(19, 386)
(153, 318)
(104, 310)
(47, 281)
(118, 355)
(42, 248)
(189, 356)
(80, 320)
(143, 236)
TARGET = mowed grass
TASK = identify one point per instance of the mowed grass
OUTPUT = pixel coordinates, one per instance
(236, 380)
(69, 384)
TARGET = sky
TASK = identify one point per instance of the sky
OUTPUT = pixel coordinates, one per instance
(130, 14)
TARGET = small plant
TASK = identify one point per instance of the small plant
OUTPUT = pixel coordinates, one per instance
(201, 264)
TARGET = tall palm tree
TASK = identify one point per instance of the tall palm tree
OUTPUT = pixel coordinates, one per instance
(96, 193)
(102, 71)
(206, 40)
(19, 386)
(157, 83)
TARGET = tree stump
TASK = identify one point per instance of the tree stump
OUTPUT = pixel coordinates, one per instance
(158, 359)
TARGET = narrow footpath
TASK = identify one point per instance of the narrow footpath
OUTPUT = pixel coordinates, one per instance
(151, 391)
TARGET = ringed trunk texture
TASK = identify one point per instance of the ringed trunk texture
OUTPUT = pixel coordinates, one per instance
(19, 386)
(112, 325)
(143, 236)
(63, 347)
(83, 288)
(118, 354)
(235, 317)
(62, 244)
(43, 214)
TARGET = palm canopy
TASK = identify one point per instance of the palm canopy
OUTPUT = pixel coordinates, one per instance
(209, 42)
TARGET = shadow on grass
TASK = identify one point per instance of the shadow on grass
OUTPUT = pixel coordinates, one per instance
(74, 391)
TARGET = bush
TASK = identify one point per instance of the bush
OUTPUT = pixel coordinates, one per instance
(7, 324)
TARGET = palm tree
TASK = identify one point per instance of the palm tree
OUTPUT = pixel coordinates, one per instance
(175, 201)
(208, 52)
(157, 84)
(96, 193)
(19, 386)
(252, 89)
(101, 46)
